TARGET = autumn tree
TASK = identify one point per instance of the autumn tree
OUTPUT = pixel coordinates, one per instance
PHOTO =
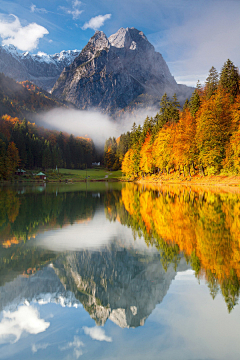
(146, 158)
(128, 164)
(162, 148)
(184, 148)
(213, 130)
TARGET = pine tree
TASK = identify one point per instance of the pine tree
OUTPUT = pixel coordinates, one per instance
(229, 78)
(174, 109)
(2, 159)
(12, 159)
(186, 105)
(211, 82)
(47, 156)
(195, 100)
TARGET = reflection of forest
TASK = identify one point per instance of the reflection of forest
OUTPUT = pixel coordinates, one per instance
(204, 225)
(22, 216)
(201, 224)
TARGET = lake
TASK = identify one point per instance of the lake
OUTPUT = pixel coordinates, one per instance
(119, 271)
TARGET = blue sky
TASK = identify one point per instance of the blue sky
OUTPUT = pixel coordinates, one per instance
(192, 35)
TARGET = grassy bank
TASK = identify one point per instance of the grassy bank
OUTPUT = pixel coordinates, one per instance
(70, 175)
(95, 174)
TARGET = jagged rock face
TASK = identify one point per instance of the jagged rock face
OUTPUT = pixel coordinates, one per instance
(111, 72)
(42, 287)
(41, 69)
(117, 284)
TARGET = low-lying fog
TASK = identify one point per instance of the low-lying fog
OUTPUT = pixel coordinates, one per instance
(99, 127)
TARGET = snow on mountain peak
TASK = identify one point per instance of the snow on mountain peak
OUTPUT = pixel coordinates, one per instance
(64, 56)
(11, 49)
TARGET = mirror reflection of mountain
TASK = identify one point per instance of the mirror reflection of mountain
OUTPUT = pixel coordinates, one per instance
(121, 284)
(44, 287)
(116, 283)
(203, 224)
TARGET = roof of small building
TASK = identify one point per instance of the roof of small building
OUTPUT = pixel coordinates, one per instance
(40, 173)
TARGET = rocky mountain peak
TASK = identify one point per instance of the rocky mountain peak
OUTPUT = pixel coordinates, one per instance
(98, 41)
(130, 38)
(111, 73)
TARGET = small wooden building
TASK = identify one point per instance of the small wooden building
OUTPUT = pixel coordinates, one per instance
(20, 172)
(41, 176)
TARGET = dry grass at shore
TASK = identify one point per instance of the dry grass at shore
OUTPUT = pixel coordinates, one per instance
(222, 181)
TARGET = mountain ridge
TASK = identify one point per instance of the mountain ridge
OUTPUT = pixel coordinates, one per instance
(42, 69)
(110, 73)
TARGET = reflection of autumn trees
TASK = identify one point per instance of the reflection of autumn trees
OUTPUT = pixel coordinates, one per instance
(24, 216)
(203, 225)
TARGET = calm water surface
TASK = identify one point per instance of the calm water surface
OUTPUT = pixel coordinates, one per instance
(118, 271)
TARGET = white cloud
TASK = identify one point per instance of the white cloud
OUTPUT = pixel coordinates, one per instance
(97, 333)
(34, 8)
(76, 344)
(25, 38)
(75, 11)
(96, 22)
(76, 3)
(36, 347)
(25, 319)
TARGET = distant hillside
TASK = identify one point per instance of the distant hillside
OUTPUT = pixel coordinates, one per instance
(42, 69)
(21, 99)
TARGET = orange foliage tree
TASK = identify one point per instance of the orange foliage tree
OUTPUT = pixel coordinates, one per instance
(146, 157)
(213, 131)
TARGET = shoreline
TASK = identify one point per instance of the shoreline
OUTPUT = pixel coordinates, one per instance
(225, 182)
(231, 181)
(69, 181)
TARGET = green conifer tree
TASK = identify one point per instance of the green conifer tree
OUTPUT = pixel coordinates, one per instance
(212, 82)
(229, 78)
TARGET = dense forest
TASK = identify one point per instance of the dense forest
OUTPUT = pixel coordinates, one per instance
(25, 145)
(202, 138)
(24, 98)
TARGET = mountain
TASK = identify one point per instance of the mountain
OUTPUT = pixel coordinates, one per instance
(120, 284)
(115, 283)
(42, 69)
(23, 99)
(43, 287)
(112, 73)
